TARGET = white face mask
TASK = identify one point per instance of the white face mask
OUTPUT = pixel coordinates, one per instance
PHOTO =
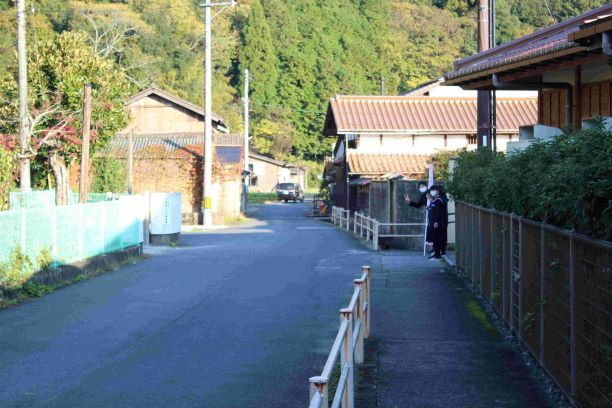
(422, 189)
(434, 193)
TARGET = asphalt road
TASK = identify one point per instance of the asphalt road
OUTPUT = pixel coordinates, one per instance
(235, 318)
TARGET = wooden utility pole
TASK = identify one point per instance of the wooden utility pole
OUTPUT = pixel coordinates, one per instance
(24, 131)
(84, 181)
(130, 163)
(483, 97)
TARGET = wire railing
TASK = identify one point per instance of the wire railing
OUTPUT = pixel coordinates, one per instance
(348, 346)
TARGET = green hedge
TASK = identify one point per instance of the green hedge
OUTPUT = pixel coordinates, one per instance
(260, 198)
(565, 182)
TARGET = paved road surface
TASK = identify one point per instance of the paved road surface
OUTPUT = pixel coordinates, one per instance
(238, 318)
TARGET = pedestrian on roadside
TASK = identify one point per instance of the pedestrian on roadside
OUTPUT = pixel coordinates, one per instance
(437, 216)
(422, 200)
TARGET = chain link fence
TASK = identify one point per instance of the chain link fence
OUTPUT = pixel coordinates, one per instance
(552, 288)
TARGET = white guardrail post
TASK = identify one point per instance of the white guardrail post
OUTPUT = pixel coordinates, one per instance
(348, 219)
(376, 232)
(359, 285)
(346, 358)
(355, 224)
(367, 271)
(318, 385)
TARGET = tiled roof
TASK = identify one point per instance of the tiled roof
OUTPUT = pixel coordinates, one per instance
(549, 41)
(168, 145)
(423, 114)
(374, 164)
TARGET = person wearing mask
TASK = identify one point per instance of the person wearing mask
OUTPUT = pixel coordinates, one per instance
(422, 200)
(437, 221)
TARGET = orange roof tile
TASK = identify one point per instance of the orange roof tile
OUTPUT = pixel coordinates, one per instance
(423, 114)
(410, 165)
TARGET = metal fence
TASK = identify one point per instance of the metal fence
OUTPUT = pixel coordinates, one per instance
(373, 230)
(354, 327)
(74, 232)
(552, 287)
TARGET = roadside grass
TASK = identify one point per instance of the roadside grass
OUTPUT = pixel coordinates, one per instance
(31, 290)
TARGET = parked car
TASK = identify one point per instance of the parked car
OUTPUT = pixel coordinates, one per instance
(289, 191)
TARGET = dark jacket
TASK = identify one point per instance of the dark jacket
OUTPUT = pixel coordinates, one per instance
(421, 203)
(437, 213)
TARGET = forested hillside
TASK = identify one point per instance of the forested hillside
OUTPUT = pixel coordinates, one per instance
(300, 52)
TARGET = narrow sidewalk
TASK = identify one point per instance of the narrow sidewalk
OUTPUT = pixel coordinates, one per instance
(432, 344)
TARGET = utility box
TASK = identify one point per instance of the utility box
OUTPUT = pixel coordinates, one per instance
(165, 218)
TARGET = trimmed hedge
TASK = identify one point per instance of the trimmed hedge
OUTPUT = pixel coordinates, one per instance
(566, 181)
(260, 198)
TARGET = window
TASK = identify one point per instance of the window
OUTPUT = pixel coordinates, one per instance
(253, 181)
(472, 139)
(352, 141)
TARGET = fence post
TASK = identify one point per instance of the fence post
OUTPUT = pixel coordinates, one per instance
(511, 273)
(348, 219)
(355, 224)
(473, 250)
(520, 279)
(368, 271)
(103, 238)
(23, 229)
(80, 229)
(376, 235)
(493, 258)
(54, 232)
(542, 292)
(572, 304)
(318, 385)
(346, 358)
(504, 269)
(480, 257)
(359, 284)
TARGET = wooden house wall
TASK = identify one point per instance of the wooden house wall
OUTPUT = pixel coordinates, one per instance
(595, 100)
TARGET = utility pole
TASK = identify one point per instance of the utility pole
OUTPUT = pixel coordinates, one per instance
(483, 98)
(24, 131)
(84, 181)
(382, 85)
(130, 163)
(246, 140)
(207, 182)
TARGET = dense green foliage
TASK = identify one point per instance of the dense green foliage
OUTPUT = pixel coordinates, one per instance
(110, 175)
(7, 176)
(565, 182)
(299, 52)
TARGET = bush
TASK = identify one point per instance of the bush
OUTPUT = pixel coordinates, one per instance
(566, 181)
(260, 198)
(8, 169)
(110, 175)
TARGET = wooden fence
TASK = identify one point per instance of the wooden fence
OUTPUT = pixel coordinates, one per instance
(552, 288)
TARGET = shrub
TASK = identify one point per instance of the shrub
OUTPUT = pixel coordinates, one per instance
(17, 270)
(8, 169)
(566, 181)
(260, 198)
(110, 175)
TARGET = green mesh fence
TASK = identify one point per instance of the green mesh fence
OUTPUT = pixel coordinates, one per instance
(36, 199)
(73, 232)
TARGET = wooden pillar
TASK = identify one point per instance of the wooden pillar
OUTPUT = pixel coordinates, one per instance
(84, 176)
(577, 108)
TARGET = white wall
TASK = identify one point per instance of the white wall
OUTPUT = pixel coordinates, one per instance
(422, 144)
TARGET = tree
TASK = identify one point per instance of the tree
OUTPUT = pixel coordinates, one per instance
(259, 56)
(58, 69)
